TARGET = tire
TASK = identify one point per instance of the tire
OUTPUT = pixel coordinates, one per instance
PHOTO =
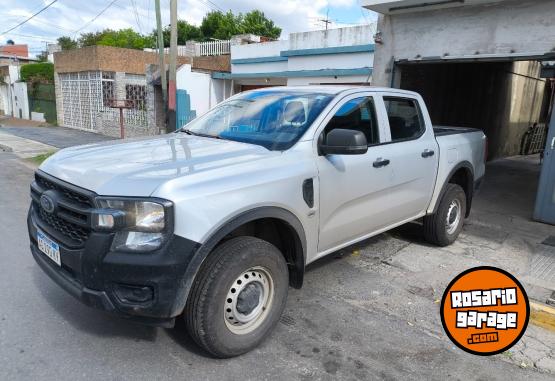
(436, 228)
(241, 278)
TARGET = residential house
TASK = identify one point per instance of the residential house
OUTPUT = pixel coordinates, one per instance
(92, 83)
(335, 56)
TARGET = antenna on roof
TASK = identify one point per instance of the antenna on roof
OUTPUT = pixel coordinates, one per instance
(327, 20)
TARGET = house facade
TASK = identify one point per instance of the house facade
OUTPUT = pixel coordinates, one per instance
(335, 56)
(14, 100)
(92, 83)
(343, 55)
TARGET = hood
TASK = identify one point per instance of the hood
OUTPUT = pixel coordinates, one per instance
(138, 167)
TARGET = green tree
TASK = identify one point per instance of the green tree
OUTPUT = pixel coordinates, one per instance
(67, 43)
(90, 38)
(255, 22)
(124, 38)
(42, 56)
(215, 25)
(221, 26)
(43, 71)
(185, 32)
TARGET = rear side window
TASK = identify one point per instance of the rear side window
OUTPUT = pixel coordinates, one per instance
(405, 119)
(357, 114)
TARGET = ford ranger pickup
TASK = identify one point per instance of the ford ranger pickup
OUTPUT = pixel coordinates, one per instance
(213, 223)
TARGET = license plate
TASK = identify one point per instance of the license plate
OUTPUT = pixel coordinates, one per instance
(49, 247)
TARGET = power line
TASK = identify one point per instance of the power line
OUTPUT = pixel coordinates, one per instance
(210, 6)
(30, 17)
(52, 25)
(136, 16)
(149, 23)
(27, 35)
(207, 6)
(95, 17)
(216, 5)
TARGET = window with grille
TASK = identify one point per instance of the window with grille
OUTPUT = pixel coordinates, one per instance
(108, 88)
(136, 96)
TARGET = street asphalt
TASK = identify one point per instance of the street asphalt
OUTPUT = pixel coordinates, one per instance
(346, 323)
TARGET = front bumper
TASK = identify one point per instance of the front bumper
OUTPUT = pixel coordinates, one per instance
(143, 287)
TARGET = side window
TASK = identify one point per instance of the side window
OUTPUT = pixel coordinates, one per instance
(405, 120)
(357, 114)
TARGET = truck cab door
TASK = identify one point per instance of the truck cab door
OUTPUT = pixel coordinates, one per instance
(414, 157)
(354, 189)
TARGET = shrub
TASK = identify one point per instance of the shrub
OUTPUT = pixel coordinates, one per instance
(38, 72)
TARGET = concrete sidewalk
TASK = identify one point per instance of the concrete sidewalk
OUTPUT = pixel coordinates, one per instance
(59, 137)
(21, 147)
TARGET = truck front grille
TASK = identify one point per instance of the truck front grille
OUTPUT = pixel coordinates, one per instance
(70, 224)
(69, 194)
(67, 229)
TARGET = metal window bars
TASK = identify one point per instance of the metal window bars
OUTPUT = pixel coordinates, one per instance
(87, 95)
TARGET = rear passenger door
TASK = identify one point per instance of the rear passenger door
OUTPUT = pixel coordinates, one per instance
(413, 154)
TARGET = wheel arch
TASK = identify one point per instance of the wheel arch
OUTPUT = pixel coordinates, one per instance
(462, 174)
(289, 237)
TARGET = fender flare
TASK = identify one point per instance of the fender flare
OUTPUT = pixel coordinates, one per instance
(463, 164)
(254, 214)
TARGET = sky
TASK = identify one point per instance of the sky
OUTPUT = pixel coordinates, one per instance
(66, 17)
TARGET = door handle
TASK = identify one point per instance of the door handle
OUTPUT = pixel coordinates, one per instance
(380, 163)
(428, 153)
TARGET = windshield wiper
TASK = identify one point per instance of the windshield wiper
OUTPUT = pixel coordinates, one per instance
(189, 132)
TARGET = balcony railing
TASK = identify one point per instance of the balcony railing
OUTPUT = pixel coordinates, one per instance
(200, 49)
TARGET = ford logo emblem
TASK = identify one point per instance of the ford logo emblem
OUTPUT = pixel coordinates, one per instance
(47, 204)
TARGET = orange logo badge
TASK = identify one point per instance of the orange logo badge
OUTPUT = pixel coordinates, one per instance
(485, 311)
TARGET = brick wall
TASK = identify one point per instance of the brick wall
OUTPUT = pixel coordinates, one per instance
(212, 63)
(109, 58)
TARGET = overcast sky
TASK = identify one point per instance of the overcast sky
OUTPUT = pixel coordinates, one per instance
(65, 17)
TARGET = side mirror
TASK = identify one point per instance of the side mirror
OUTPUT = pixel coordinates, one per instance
(344, 142)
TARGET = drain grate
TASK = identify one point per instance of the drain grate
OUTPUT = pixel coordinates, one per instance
(543, 266)
(549, 241)
(288, 320)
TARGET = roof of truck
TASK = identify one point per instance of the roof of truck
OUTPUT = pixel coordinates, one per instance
(334, 89)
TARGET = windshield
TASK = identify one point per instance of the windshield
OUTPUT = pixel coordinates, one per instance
(275, 120)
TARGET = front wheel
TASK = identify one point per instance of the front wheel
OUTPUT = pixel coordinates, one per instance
(444, 226)
(238, 296)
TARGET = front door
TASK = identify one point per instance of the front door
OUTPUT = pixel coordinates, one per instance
(354, 189)
(545, 200)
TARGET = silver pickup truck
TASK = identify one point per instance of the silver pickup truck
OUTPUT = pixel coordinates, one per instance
(214, 222)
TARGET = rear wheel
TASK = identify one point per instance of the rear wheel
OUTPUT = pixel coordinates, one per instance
(238, 296)
(444, 226)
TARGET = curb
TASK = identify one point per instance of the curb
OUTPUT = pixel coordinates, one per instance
(542, 315)
(5, 148)
(22, 147)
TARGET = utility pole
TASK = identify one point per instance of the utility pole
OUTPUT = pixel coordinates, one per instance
(160, 42)
(173, 67)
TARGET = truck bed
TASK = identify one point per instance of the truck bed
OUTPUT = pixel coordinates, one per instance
(451, 130)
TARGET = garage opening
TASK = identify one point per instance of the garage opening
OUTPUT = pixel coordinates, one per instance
(509, 101)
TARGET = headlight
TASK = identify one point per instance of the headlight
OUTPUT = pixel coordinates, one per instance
(137, 241)
(142, 225)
